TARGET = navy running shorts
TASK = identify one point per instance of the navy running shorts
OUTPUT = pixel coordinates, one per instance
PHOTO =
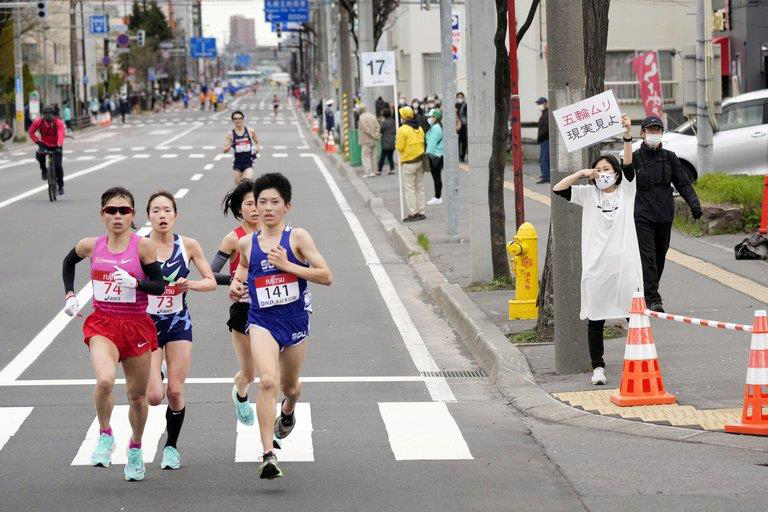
(286, 331)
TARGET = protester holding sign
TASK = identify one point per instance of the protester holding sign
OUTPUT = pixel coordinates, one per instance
(611, 270)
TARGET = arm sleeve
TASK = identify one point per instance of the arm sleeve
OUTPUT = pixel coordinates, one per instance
(683, 184)
(579, 193)
(628, 171)
(68, 270)
(32, 131)
(155, 285)
(217, 263)
(565, 194)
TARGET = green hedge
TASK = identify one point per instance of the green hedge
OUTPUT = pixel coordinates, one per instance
(738, 189)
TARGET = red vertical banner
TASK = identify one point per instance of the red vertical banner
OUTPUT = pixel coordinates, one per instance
(646, 66)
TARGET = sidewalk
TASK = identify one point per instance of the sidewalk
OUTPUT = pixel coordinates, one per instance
(705, 368)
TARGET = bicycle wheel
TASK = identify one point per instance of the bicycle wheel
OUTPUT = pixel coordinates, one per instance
(51, 178)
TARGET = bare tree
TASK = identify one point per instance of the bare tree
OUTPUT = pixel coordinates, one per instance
(381, 12)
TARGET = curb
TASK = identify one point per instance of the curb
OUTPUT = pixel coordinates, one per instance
(503, 362)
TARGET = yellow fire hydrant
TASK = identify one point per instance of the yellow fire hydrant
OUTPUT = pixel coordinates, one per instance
(524, 250)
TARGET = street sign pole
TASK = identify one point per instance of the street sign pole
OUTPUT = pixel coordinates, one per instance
(18, 125)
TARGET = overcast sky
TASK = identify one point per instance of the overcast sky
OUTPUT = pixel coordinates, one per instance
(216, 20)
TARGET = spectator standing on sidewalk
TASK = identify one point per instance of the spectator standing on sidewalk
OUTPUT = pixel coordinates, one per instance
(93, 106)
(435, 153)
(367, 135)
(380, 105)
(657, 169)
(66, 116)
(124, 108)
(387, 130)
(542, 139)
(461, 126)
(610, 261)
(410, 144)
(330, 119)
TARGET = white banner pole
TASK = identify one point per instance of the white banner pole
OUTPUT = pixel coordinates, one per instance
(399, 163)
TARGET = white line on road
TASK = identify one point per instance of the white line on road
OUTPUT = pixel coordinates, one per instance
(20, 162)
(113, 149)
(72, 176)
(138, 148)
(168, 155)
(296, 448)
(279, 147)
(220, 156)
(85, 157)
(141, 155)
(181, 193)
(91, 150)
(196, 177)
(163, 145)
(220, 380)
(437, 386)
(279, 155)
(196, 155)
(208, 147)
(13, 417)
(186, 147)
(44, 338)
(208, 167)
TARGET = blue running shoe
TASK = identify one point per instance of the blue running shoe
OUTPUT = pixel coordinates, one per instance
(134, 469)
(171, 458)
(243, 411)
(102, 454)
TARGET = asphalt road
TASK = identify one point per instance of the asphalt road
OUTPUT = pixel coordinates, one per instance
(373, 433)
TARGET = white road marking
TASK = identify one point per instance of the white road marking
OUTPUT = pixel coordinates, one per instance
(168, 155)
(160, 132)
(90, 150)
(181, 193)
(141, 155)
(218, 380)
(196, 177)
(196, 155)
(423, 431)
(18, 153)
(45, 337)
(20, 162)
(279, 147)
(297, 447)
(138, 148)
(302, 147)
(86, 157)
(279, 155)
(113, 149)
(67, 151)
(208, 167)
(208, 147)
(437, 386)
(99, 136)
(68, 177)
(121, 430)
(220, 156)
(180, 135)
(185, 147)
(11, 419)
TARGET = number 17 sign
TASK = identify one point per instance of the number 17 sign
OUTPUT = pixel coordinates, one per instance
(377, 69)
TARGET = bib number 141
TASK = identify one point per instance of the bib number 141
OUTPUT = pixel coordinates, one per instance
(276, 289)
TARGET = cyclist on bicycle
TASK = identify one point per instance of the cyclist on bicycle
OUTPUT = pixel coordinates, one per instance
(52, 131)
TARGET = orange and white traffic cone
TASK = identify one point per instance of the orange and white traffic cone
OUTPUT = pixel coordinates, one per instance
(641, 382)
(330, 144)
(314, 126)
(754, 415)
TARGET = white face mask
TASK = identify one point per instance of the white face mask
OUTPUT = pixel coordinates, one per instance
(459, 100)
(431, 120)
(415, 106)
(605, 180)
(653, 139)
(402, 101)
(541, 108)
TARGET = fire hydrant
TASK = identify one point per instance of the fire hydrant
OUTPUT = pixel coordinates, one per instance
(524, 250)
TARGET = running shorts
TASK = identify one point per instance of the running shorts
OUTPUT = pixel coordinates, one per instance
(173, 328)
(242, 166)
(132, 334)
(287, 331)
(238, 317)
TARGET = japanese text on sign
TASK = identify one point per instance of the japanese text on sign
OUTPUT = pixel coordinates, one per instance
(589, 121)
(646, 66)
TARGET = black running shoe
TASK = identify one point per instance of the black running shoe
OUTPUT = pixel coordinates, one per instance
(656, 306)
(270, 469)
(284, 423)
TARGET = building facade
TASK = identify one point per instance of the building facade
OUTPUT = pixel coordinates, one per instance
(242, 34)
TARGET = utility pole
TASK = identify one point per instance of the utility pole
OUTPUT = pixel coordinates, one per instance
(85, 69)
(480, 107)
(365, 44)
(703, 51)
(514, 116)
(73, 61)
(567, 85)
(45, 64)
(450, 138)
(347, 92)
(18, 126)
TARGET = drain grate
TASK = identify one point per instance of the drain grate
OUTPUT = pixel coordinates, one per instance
(456, 374)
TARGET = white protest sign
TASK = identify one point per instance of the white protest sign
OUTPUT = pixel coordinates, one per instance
(377, 68)
(589, 121)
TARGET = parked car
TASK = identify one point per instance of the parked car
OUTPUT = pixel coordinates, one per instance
(740, 140)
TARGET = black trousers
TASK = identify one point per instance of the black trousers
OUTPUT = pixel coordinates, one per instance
(463, 143)
(653, 239)
(595, 338)
(56, 164)
(389, 155)
(436, 168)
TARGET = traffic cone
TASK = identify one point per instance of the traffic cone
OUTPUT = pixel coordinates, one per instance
(330, 144)
(754, 415)
(641, 382)
(314, 126)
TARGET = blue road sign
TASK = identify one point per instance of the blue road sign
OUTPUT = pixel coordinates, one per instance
(286, 10)
(202, 47)
(286, 27)
(99, 24)
(243, 60)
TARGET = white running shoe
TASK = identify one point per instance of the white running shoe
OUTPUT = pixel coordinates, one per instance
(598, 376)
(434, 201)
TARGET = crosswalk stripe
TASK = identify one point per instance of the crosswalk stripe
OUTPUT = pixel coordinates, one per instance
(279, 155)
(423, 431)
(295, 448)
(168, 155)
(196, 177)
(138, 148)
(208, 167)
(196, 155)
(141, 155)
(121, 429)
(11, 419)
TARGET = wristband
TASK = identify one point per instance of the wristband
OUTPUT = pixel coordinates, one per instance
(626, 139)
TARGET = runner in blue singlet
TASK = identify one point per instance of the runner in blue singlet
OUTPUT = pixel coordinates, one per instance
(171, 316)
(245, 145)
(276, 262)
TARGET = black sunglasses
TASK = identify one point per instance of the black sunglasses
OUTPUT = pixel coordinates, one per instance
(113, 210)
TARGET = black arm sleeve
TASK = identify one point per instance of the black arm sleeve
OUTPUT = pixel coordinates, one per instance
(628, 171)
(68, 270)
(565, 194)
(155, 285)
(217, 263)
(682, 183)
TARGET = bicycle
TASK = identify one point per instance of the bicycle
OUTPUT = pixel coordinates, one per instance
(50, 172)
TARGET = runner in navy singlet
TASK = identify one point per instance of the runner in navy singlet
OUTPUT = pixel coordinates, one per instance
(245, 145)
(276, 263)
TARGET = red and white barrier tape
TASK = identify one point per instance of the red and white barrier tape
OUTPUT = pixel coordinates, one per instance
(698, 321)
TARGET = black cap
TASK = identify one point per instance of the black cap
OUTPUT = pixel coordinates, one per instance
(652, 121)
(541, 101)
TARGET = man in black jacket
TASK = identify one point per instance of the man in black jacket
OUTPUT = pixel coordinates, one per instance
(656, 169)
(542, 139)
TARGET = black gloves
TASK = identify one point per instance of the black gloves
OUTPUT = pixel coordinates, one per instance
(696, 212)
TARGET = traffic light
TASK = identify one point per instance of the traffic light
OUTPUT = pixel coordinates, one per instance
(140, 35)
(42, 9)
(279, 31)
